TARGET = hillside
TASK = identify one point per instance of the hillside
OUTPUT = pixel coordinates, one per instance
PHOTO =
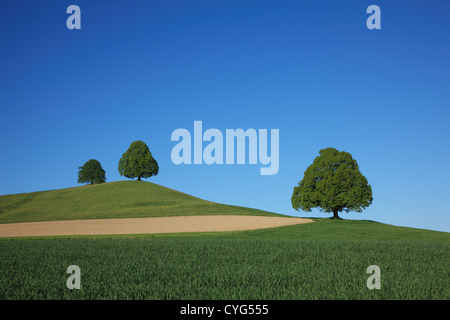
(134, 199)
(121, 199)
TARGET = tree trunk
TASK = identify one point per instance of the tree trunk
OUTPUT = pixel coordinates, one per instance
(139, 178)
(335, 214)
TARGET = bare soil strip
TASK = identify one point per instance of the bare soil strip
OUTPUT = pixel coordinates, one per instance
(145, 225)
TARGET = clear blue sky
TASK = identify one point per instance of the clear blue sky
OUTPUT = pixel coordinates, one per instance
(137, 70)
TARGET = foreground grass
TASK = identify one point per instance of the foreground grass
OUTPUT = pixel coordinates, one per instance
(322, 260)
(223, 269)
(122, 199)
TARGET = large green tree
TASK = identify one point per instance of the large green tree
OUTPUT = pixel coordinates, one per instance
(138, 162)
(332, 183)
(91, 172)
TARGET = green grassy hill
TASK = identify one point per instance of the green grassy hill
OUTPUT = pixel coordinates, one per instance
(133, 199)
(121, 199)
(326, 259)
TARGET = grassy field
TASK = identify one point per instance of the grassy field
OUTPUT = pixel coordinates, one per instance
(326, 259)
(122, 199)
(279, 263)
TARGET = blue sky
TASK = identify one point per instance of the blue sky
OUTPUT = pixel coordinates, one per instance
(137, 70)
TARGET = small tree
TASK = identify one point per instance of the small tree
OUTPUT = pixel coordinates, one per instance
(138, 162)
(91, 172)
(332, 183)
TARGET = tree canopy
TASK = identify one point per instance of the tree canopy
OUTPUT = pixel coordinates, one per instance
(332, 183)
(91, 172)
(138, 162)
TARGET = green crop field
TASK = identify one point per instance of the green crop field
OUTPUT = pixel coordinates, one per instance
(326, 259)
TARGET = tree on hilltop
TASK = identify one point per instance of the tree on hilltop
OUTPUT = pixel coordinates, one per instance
(91, 172)
(138, 162)
(332, 183)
